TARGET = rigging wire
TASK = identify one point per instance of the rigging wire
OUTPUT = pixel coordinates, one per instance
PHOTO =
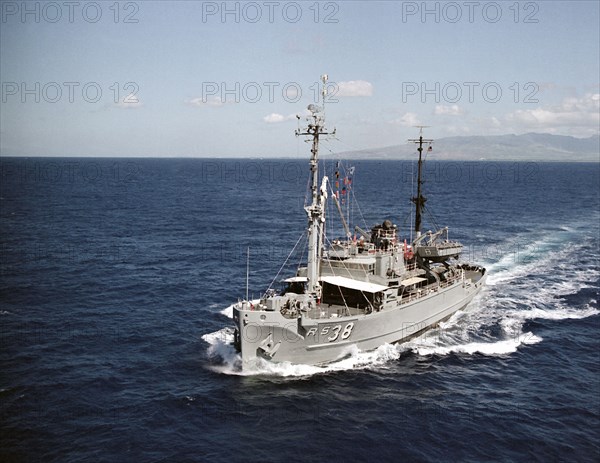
(286, 260)
(352, 202)
(432, 218)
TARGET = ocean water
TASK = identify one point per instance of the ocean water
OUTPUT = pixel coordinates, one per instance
(118, 276)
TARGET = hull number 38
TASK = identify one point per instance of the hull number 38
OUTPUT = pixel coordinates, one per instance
(334, 332)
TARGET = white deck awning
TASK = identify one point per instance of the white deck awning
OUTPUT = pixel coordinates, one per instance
(353, 284)
(412, 281)
(296, 280)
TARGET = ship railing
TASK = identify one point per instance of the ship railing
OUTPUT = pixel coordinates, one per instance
(381, 233)
(422, 292)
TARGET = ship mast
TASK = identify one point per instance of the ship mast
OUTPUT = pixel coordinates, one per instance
(419, 200)
(316, 210)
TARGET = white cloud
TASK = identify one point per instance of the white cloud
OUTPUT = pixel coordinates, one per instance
(454, 110)
(274, 118)
(354, 88)
(131, 101)
(408, 120)
(574, 115)
(546, 86)
(214, 101)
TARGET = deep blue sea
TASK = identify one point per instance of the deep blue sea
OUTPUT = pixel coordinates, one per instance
(117, 277)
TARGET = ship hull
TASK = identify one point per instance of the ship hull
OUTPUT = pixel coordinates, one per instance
(314, 341)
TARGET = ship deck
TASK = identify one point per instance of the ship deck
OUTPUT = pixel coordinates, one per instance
(326, 311)
(333, 311)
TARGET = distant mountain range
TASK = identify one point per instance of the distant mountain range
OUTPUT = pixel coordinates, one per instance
(527, 147)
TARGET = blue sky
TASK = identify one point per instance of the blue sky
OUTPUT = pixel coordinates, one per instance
(207, 78)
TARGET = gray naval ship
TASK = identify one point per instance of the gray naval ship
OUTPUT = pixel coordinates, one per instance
(355, 293)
